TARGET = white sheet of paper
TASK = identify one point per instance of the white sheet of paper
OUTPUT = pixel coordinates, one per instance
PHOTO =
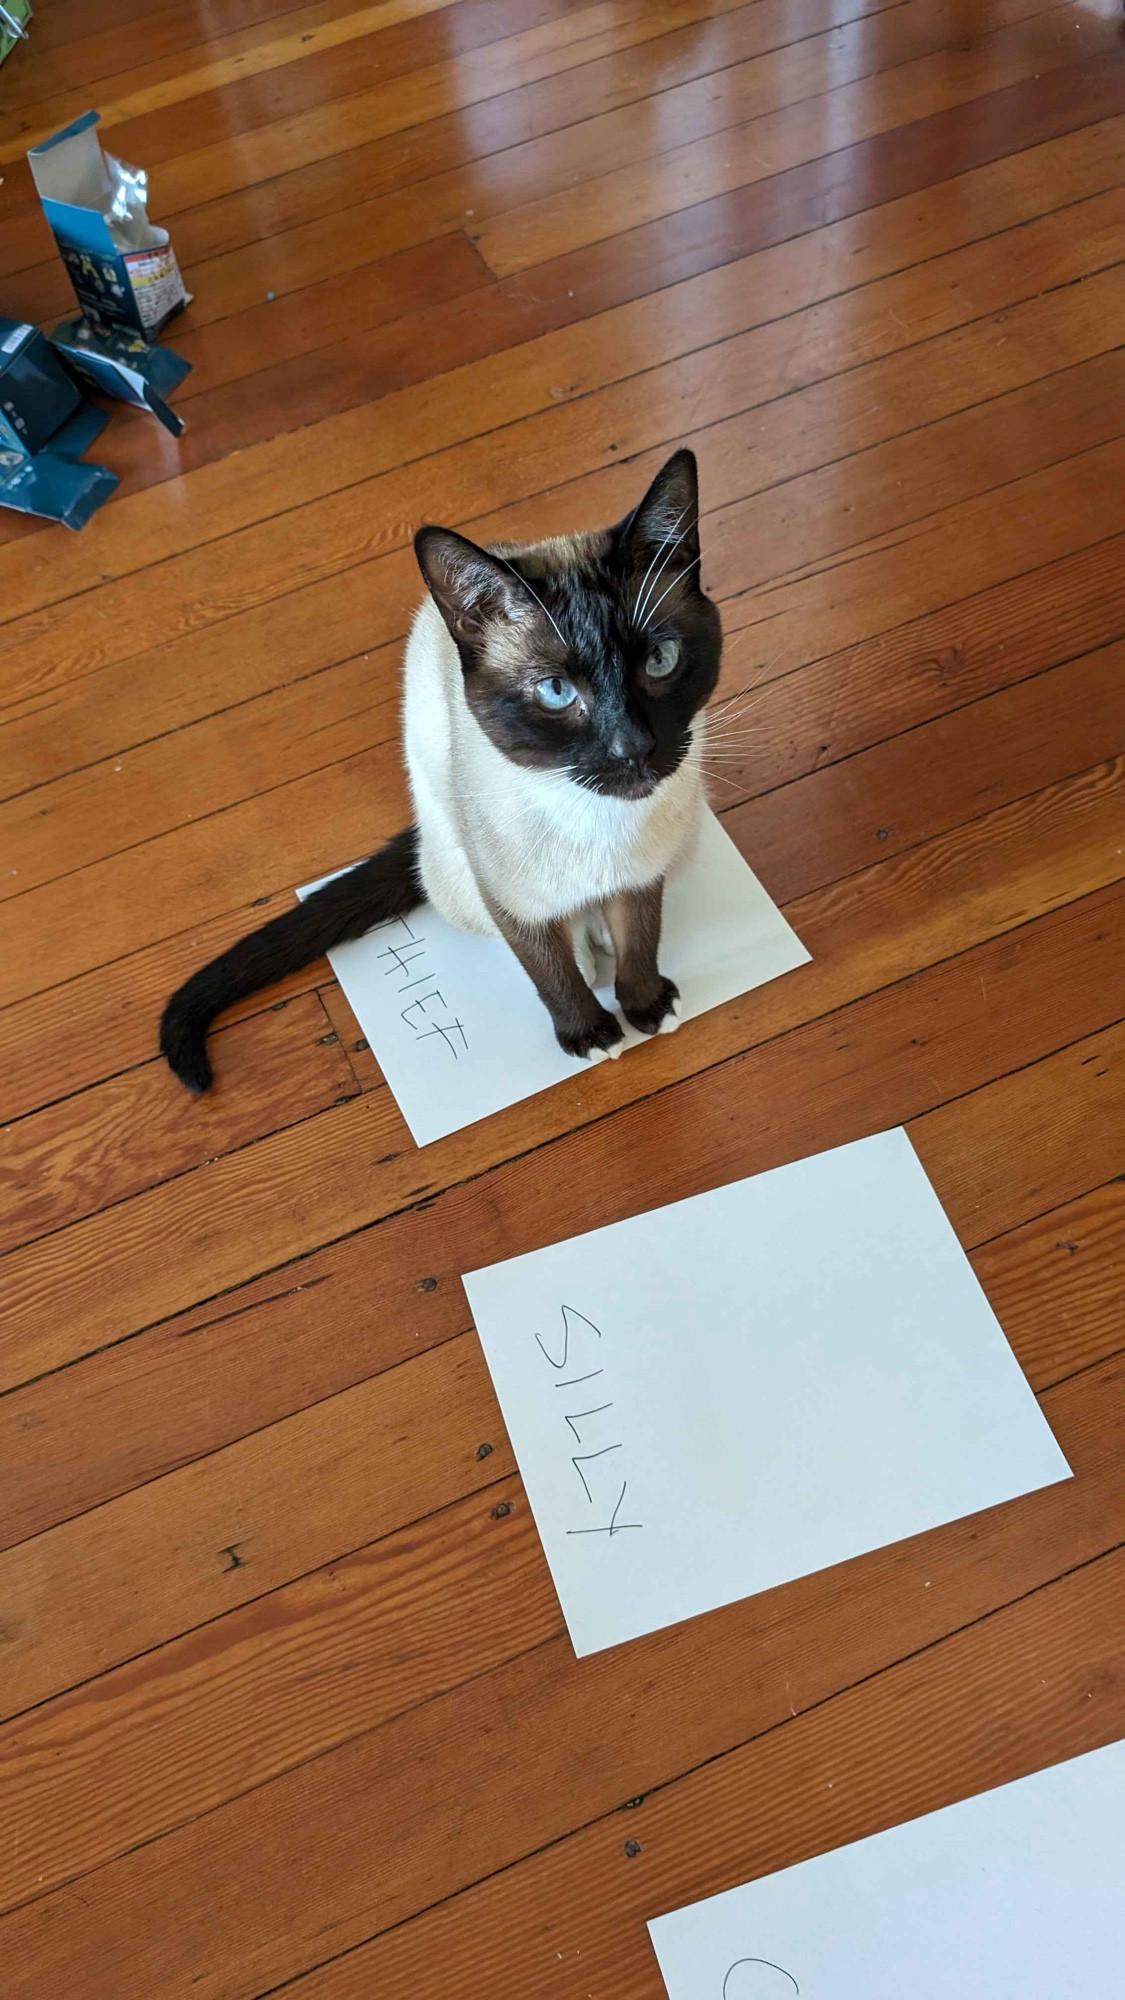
(752, 1384)
(1013, 1895)
(459, 1031)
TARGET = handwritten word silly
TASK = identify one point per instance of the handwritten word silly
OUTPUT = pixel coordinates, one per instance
(427, 1015)
(572, 1353)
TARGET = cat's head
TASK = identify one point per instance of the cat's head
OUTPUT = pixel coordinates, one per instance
(592, 654)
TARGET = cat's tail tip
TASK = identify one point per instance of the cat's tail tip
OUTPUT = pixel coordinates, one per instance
(183, 1044)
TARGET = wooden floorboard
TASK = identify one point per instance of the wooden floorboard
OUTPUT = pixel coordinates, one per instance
(825, 265)
(912, 788)
(286, 1700)
(46, 830)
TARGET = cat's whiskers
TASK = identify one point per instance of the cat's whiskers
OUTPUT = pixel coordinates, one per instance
(735, 758)
(737, 740)
(531, 593)
(737, 693)
(735, 704)
(651, 610)
(733, 727)
(758, 666)
(735, 731)
(727, 718)
(656, 559)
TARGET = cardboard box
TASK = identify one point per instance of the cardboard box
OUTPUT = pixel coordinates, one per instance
(45, 426)
(36, 393)
(123, 366)
(123, 268)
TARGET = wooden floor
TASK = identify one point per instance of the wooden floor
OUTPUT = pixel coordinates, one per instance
(288, 1703)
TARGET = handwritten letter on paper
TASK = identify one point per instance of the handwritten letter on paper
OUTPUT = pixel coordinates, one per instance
(604, 1483)
(758, 1979)
(406, 960)
(722, 937)
(750, 1385)
(1013, 1895)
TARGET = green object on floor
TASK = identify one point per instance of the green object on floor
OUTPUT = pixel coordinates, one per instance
(14, 17)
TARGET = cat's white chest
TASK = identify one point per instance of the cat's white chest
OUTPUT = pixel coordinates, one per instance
(534, 842)
(551, 847)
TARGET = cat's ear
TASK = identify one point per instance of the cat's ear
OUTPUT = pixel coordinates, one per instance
(667, 516)
(471, 588)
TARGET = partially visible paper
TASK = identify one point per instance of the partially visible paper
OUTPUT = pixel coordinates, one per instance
(1013, 1895)
(750, 1385)
(459, 1031)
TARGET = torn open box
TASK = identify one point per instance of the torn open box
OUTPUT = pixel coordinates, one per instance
(123, 268)
(45, 426)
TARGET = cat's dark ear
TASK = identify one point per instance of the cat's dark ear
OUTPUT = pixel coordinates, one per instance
(667, 515)
(471, 588)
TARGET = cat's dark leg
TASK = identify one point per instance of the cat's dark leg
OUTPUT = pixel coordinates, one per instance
(648, 1000)
(546, 952)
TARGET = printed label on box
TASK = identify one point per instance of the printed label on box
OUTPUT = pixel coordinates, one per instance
(157, 285)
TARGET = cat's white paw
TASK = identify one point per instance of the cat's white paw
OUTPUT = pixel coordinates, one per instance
(672, 1018)
(606, 1055)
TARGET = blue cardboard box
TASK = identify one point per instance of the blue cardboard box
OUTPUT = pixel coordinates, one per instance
(45, 426)
(124, 366)
(36, 393)
(123, 268)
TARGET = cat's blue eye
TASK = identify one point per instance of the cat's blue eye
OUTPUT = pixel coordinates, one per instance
(555, 693)
(663, 660)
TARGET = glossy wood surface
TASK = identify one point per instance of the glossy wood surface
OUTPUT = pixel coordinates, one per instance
(286, 1700)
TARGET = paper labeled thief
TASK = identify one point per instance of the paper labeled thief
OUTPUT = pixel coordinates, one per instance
(751, 1385)
(455, 1022)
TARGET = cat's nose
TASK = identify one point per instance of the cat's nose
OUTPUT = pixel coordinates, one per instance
(631, 743)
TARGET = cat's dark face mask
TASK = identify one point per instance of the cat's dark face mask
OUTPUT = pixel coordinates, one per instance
(590, 655)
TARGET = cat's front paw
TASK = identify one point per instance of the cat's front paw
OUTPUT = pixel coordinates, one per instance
(656, 1014)
(594, 1039)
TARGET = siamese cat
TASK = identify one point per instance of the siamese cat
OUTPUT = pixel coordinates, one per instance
(553, 735)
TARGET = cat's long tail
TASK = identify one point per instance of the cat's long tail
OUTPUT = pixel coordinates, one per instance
(388, 885)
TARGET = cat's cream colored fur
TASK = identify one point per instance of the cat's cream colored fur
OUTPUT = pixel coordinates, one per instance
(516, 845)
(536, 842)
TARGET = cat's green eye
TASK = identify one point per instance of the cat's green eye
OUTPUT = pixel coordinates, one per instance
(555, 693)
(663, 659)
